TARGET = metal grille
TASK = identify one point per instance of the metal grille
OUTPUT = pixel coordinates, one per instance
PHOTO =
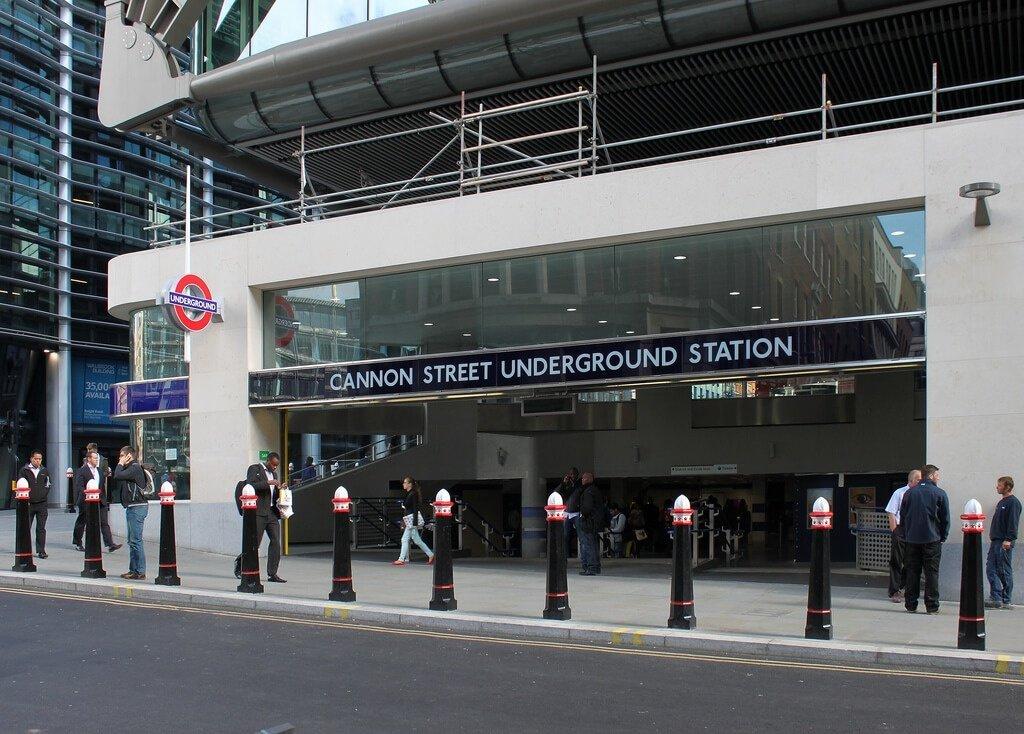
(874, 540)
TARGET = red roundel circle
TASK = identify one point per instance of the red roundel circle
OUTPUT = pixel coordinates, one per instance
(188, 319)
(284, 321)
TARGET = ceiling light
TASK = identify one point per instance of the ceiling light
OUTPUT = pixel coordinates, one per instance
(571, 309)
(602, 321)
(493, 280)
(897, 233)
(774, 318)
(679, 257)
(47, 351)
(344, 333)
(630, 332)
(919, 275)
(79, 280)
(755, 308)
(910, 255)
(734, 293)
(428, 323)
(467, 333)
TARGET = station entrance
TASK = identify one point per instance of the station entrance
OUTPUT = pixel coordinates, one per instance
(750, 454)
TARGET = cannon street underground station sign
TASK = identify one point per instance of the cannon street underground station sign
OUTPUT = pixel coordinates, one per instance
(638, 358)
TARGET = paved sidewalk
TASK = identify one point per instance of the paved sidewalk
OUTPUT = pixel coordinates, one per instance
(628, 594)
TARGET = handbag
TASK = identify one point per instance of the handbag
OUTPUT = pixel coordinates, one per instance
(640, 534)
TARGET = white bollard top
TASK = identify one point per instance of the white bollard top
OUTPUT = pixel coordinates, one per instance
(682, 503)
(973, 507)
(341, 493)
(166, 487)
(248, 491)
(22, 483)
(820, 505)
(555, 499)
(92, 484)
(443, 496)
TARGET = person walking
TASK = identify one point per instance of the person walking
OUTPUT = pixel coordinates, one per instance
(591, 522)
(39, 492)
(897, 546)
(263, 478)
(412, 520)
(1002, 537)
(570, 491)
(131, 482)
(924, 514)
(636, 533)
(98, 469)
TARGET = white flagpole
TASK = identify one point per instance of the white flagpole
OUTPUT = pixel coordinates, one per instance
(188, 248)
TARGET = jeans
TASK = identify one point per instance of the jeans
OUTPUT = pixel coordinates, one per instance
(616, 545)
(999, 569)
(897, 569)
(411, 532)
(926, 557)
(135, 518)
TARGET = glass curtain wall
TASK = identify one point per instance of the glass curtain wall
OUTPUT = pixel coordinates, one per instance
(234, 29)
(821, 269)
(157, 346)
(163, 449)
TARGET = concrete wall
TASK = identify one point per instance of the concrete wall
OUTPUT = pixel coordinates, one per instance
(975, 405)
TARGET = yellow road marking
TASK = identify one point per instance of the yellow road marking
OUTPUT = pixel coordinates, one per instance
(126, 591)
(574, 646)
(339, 612)
(1002, 664)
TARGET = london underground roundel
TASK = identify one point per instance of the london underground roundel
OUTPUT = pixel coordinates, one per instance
(189, 303)
(284, 321)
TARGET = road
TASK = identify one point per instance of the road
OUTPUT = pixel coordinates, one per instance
(80, 664)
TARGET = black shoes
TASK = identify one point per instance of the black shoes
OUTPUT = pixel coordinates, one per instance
(114, 547)
(276, 579)
(42, 554)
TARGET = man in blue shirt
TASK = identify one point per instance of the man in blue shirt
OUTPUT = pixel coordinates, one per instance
(924, 515)
(1002, 536)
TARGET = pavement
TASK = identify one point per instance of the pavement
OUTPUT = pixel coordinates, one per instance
(627, 604)
(87, 665)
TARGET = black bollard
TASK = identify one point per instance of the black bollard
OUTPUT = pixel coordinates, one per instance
(557, 605)
(93, 555)
(444, 580)
(250, 544)
(341, 581)
(70, 474)
(168, 574)
(971, 632)
(22, 537)
(681, 612)
(819, 591)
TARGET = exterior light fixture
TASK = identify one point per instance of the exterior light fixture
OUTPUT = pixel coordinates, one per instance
(428, 323)
(570, 310)
(679, 257)
(493, 280)
(734, 293)
(979, 192)
(602, 321)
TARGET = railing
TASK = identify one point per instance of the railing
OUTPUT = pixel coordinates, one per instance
(584, 158)
(382, 448)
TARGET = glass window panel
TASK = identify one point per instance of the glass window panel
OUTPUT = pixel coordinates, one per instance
(277, 22)
(157, 346)
(224, 32)
(164, 450)
(329, 15)
(380, 8)
(313, 325)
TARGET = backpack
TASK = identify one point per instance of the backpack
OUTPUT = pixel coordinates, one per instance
(149, 490)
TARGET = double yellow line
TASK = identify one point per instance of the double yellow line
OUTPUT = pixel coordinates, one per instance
(623, 635)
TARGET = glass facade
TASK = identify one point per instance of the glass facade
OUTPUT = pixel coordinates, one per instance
(157, 346)
(822, 269)
(234, 29)
(163, 448)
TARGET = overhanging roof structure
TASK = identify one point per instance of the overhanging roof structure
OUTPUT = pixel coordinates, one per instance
(663, 65)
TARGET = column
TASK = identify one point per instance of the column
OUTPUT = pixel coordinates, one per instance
(534, 497)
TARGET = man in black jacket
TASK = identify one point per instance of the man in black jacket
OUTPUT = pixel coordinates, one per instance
(39, 491)
(131, 482)
(92, 468)
(924, 516)
(1002, 536)
(263, 478)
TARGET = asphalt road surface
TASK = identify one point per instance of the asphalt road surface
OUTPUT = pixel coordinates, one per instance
(76, 664)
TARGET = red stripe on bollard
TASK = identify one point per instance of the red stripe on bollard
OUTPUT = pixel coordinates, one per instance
(559, 595)
(99, 558)
(681, 603)
(444, 586)
(819, 611)
(168, 565)
(971, 619)
(339, 579)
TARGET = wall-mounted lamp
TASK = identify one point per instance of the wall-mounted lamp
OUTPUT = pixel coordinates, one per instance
(979, 192)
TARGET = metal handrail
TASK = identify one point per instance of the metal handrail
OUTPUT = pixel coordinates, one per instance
(429, 186)
(355, 458)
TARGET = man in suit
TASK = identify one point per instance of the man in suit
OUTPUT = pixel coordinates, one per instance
(92, 468)
(101, 475)
(263, 478)
(39, 491)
